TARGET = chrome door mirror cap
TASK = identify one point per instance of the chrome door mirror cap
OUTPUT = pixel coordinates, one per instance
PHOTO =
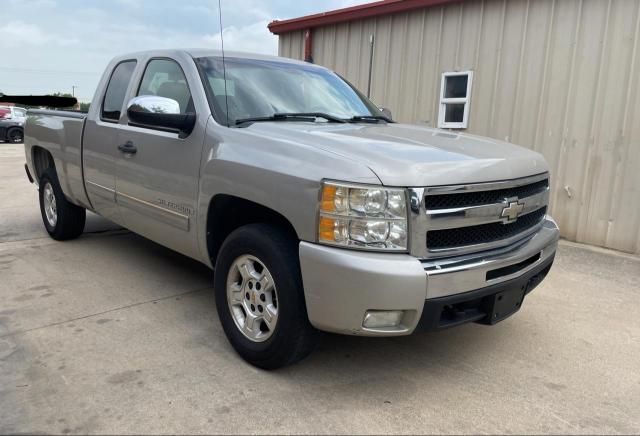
(160, 113)
(153, 104)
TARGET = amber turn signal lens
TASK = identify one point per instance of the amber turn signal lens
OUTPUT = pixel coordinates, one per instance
(326, 228)
(328, 198)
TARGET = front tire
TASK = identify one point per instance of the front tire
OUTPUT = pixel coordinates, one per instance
(259, 297)
(63, 220)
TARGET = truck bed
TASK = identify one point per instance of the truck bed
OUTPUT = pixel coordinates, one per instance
(60, 133)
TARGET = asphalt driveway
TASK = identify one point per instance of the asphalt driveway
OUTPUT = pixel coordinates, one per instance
(111, 333)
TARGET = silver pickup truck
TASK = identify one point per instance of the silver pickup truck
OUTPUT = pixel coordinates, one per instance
(315, 209)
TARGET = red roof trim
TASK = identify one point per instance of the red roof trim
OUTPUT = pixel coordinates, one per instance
(359, 12)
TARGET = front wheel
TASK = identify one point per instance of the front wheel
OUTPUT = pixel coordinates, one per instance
(259, 297)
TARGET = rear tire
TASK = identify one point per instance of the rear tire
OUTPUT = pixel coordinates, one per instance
(264, 253)
(62, 219)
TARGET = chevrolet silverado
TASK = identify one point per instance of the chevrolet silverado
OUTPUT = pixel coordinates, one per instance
(315, 210)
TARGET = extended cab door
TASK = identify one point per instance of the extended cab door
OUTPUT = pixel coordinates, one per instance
(100, 140)
(158, 168)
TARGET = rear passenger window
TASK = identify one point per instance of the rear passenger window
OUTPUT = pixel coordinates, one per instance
(117, 90)
(164, 78)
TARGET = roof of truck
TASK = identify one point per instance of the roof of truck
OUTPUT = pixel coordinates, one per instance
(205, 52)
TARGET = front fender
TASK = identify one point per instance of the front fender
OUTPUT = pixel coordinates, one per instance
(277, 174)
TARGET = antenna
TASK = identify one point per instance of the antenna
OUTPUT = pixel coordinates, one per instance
(224, 68)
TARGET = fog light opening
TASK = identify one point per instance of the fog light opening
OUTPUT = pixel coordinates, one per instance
(375, 319)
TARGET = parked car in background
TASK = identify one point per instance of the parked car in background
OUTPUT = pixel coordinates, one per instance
(12, 121)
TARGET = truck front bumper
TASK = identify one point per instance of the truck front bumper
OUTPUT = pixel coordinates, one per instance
(342, 286)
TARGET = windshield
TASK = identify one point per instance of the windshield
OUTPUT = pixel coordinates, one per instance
(258, 88)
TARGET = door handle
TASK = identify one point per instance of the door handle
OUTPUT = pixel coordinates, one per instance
(128, 147)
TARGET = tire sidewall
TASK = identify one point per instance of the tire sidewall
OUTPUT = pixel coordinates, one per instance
(47, 178)
(286, 275)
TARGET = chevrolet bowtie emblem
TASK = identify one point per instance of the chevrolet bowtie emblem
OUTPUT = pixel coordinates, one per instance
(512, 211)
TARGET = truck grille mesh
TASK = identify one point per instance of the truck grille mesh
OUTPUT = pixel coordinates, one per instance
(484, 233)
(449, 201)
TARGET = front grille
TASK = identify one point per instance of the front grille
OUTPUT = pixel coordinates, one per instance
(450, 201)
(484, 233)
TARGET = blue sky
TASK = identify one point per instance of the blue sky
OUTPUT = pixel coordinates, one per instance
(56, 44)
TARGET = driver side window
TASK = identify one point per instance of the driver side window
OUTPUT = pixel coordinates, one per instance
(165, 78)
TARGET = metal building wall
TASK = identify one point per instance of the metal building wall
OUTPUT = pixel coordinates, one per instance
(557, 76)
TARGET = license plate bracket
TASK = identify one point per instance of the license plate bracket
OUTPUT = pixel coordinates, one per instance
(505, 304)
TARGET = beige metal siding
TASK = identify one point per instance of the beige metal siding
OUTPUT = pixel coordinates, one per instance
(561, 77)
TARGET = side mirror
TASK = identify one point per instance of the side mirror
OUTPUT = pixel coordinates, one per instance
(160, 112)
(386, 112)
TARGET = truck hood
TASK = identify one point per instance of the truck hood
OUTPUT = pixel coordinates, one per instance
(410, 155)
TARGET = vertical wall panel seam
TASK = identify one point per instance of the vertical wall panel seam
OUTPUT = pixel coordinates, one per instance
(372, 53)
(419, 78)
(347, 43)
(438, 70)
(564, 133)
(542, 100)
(517, 111)
(595, 121)
(632, 68)
(301, 45)
(403, 61)
(404, 72)
(334, 50)
(359, 57)
(456, 60)
(497, 75)
(387, 64)
(476, 58)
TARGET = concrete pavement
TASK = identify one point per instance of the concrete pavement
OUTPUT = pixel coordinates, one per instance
(112, 333)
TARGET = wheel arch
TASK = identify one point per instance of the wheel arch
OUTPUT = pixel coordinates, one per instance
(42, 160)
(227, 213)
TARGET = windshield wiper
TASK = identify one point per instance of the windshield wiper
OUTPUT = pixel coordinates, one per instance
(369, 119)
(292, 116)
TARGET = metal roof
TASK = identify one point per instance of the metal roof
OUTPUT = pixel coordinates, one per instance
(368, 10)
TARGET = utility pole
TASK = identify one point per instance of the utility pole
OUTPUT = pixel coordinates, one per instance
(73, 90)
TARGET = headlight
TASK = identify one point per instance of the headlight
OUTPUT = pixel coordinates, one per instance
(369, 217)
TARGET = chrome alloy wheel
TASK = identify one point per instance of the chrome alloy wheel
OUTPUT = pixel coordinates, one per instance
(252, 298)
(50, 209)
